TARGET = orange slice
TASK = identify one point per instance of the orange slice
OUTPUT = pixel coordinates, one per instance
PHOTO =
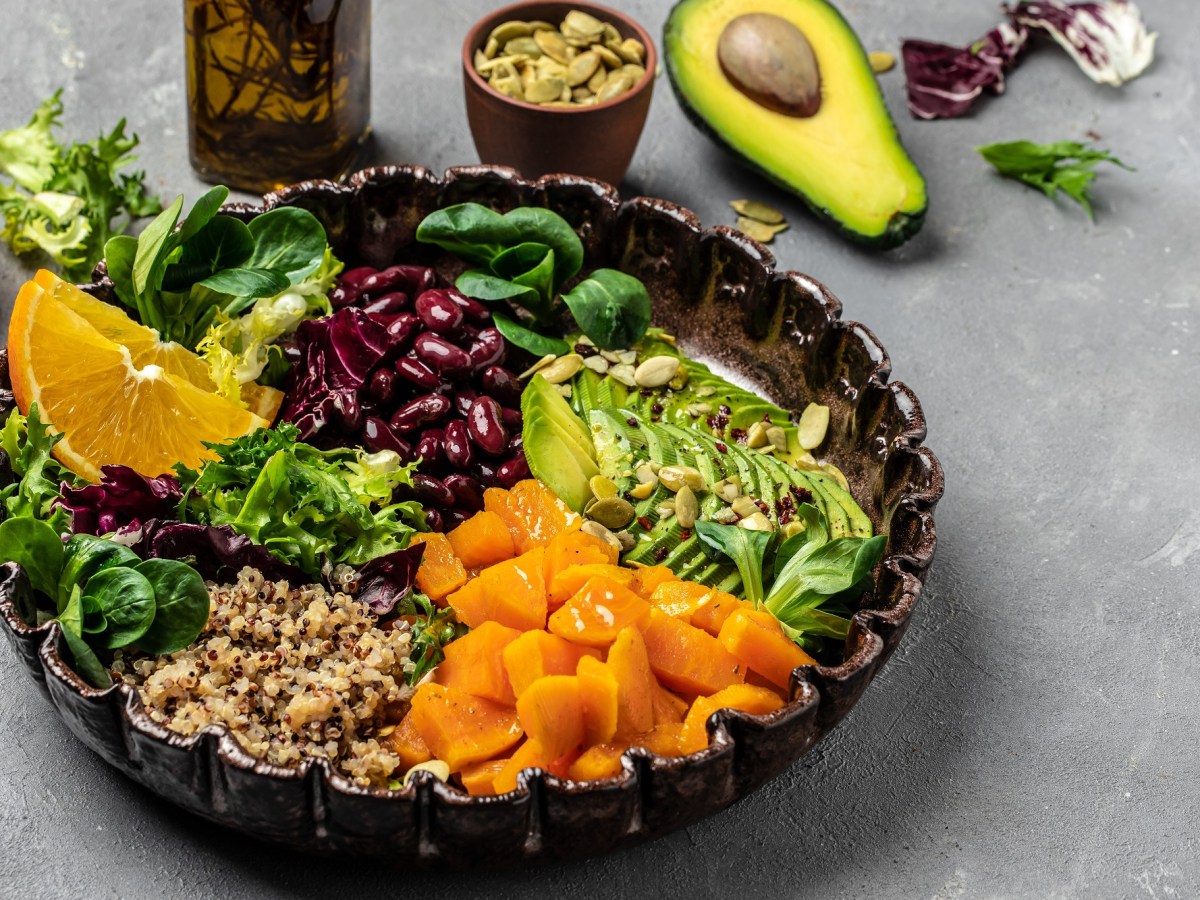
(110, 409)
(145, 346)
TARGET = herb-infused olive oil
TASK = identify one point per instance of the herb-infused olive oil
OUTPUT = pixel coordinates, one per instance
(278, 90)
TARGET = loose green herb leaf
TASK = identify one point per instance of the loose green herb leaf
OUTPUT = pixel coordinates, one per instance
(36, 547)
(432, 629)
(28, 444)
(181, 606)
(748, 550)
(125, 599)
(1064, 166)
(85, 662)
(537, 344)
(67, 201)
(612, 308)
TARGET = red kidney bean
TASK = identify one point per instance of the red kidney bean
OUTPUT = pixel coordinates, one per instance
(388, 279)
(434, 520)
(485, 471)
(454, 517)
(419, 413)
(464, 399)
(369, 406)
(347, 415)
(429, 447)
(378, 435)
(502, 384)
(458, 444)
(388, 305)
(511, 418)
(439, 312)
(440, 354)
(468, 493)
(517, 444)
(382, 385)
(416, 372)
(474, 310)
(343, 295)
(488, 348)
(355, 277)
(431, 491)
(516, 469)
(400, 331)
(486, 427)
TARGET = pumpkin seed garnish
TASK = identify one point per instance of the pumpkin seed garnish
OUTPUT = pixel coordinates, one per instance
(656, 371)
(595, 529)
(687, 508)
(753, 209)
(881, 61)
(613, 513)
(760, 232)
(581, 62)
(813, 424)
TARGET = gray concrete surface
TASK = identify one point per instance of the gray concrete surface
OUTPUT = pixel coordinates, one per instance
(1035, 734)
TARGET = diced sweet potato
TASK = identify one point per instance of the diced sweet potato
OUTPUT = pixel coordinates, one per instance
(635, 683)
(460, 729)
(668, 708)
(536, 654)
(574, 548)
(512, 593)
(568, 582)
(746, 697)
(601, 761)
(483, 540)
(561, 767)
(406, 742)
(597, 613)
(474, 663)
(686, 659)
(529, 755)
(647, 578)
(758, 643)
(440, 573)
(598, 692)
(551, 713)
(712, 612)
(533, 514)
(479, 779)
(679, 598)
(665, 739)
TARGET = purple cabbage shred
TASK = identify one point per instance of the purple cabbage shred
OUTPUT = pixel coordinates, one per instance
(122, 499)
(386, 580)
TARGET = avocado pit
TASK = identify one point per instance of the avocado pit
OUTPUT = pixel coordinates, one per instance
(770, 60)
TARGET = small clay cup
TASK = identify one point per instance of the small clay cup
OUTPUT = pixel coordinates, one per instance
(595, 141)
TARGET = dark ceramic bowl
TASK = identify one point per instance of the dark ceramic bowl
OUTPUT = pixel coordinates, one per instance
(595, 141)
(780, 330)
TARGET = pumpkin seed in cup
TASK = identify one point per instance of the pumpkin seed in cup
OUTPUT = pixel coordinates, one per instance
(582, 62)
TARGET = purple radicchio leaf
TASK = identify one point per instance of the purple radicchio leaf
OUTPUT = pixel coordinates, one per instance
(945, 81)
(386, 580)
(122, 499)
(1107, 39)
(216, 551)
(337, 353)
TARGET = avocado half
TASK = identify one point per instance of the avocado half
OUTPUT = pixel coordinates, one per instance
(846, 161)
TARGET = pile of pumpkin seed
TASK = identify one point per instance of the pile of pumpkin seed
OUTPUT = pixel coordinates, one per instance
(758, 220)
(582, 62)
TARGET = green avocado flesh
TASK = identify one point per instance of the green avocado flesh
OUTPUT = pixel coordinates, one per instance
(846, 161)
(558, 447)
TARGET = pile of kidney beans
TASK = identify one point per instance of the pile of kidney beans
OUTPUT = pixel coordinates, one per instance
(440, 391)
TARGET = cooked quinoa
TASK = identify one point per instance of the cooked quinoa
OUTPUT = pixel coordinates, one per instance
(293, 673)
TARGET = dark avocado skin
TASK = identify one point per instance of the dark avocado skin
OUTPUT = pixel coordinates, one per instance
(901, 228)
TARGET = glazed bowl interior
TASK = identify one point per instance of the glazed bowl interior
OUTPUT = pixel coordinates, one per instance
(596, 141)
(781, 331)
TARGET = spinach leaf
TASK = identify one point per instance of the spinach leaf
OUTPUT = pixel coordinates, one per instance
(246, 283)
(537, 344)
(483, 285)
(287, 240)
(203, 211)
(125, 599)
(85, 662)
(612, 308)
(181, 605)
(119, 254)
(84, 556)
(531, 266)
(534, 223)
(71, 614)
(36, 547)
(816, 531)
(155, 242)
(747, 549)
(821, 571)
(469, 230)
(224, 243)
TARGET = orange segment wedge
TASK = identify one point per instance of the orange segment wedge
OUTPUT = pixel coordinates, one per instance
(146, 348)
(110, 409)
